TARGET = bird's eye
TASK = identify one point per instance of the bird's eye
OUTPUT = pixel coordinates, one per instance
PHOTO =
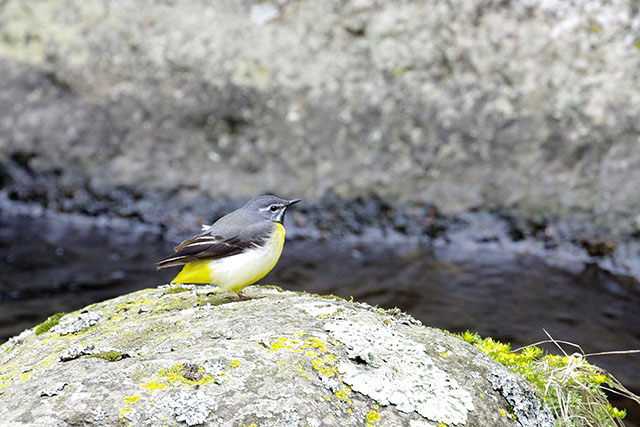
(273, 208)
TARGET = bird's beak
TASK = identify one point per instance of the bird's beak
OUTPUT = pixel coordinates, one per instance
(292, 202)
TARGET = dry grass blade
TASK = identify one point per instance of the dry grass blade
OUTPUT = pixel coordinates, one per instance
(573, 388)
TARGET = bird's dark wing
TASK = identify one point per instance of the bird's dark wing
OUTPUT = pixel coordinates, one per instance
(208, 245)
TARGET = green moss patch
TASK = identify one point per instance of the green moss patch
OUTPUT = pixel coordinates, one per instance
(571, 386)
(110, 356)
(175, 290)
(52, 321)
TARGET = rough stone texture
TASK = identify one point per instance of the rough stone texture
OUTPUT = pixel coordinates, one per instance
(198, 357)
(524, 105)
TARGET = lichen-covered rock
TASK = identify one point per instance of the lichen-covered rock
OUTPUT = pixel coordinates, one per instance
(192, 356)
(523, 105)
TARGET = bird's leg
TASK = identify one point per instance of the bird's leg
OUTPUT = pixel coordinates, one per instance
(242, 297)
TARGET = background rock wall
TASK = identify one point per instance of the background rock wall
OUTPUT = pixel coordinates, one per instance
(524, 106)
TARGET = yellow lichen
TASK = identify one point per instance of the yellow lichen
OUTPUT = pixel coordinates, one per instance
(373, 417)
(175, 376)
(235, 363)
(176, 373)
(131, 399)
(153, 385)
(315, 343)
(343, 396)
(313, 350)
(323, 366)
(48, 360)
(285, 343)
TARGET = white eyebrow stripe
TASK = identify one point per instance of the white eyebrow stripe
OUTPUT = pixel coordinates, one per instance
(269, 207)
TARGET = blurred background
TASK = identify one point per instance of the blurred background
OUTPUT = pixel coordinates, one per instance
(476, 164)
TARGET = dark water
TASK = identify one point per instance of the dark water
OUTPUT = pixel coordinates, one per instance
(55, 262)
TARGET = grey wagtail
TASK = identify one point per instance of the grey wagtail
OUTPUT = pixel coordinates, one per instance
(235, 251)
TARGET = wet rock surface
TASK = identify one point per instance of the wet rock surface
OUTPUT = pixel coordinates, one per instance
(197, 357)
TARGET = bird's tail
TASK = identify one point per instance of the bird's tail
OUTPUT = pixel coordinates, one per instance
(172, 261)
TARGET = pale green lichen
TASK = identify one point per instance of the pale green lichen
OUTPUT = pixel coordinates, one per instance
(319, 309)
(73, 323)
(192, 408)
(393, 369)
(35, 34)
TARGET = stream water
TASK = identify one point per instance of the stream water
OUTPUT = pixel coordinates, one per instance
(511, 291)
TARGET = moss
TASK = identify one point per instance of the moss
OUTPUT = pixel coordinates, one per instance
(213, 300)
(110, 356)
(332, 297)
(175, 290)
(52, 321)
(565, 382)
(274, 287)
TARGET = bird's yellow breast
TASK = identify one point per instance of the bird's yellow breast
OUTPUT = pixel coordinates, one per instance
(235, 272)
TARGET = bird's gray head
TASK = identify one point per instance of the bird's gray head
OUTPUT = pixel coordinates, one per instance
(269, 207)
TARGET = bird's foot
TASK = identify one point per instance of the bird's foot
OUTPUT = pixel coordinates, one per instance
(242, 297)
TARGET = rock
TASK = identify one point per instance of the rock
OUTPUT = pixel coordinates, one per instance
(198, 357)
(523, 105)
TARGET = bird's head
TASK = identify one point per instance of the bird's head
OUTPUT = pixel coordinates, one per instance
(270, 207)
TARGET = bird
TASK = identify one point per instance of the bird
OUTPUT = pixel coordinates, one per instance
(235, 251)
